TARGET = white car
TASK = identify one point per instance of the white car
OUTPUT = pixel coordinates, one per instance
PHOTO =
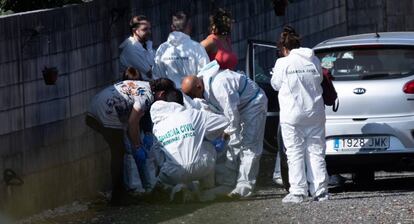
(373, 128)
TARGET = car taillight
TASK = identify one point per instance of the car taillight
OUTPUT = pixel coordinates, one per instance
(409, 87)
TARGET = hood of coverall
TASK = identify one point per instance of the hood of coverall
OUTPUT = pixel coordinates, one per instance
(176, 38)
(305, 53)
(160, 110)
(210, 70)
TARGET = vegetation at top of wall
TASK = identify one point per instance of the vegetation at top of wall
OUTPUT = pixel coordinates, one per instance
(10, 6)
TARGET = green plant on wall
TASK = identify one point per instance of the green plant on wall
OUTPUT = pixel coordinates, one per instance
(29, 5)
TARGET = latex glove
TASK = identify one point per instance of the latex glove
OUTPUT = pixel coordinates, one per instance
(140, 154)
(219, 144)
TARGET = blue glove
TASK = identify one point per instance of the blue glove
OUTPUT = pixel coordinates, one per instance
(140, 155)
(148, 141)
(219, 144)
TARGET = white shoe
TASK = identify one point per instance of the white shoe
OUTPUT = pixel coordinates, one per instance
(241, 191)
(322, 197)
(293, 198)
(278, 181)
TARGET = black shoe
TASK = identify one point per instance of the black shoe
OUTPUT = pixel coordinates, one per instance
(124, 198)
(336, 181)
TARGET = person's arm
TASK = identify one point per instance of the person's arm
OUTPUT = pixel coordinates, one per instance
(215, 125)
(277, 76)
(209, 45)
(229, 101)
(318, 67)
(202, 58)
(134, 127)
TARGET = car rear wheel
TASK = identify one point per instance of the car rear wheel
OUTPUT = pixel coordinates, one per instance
(270, 142)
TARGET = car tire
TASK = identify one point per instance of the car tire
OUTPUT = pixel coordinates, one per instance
(363, 178)
(284, 169)
(270, 143)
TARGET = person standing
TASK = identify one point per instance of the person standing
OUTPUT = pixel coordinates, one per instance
(136, 50)
(245, 105)
(218, 43)
(179, 56)
(298, 76)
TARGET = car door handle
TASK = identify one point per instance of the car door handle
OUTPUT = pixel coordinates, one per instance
(359, 119)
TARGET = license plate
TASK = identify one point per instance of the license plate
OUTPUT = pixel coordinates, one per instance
(368, 142)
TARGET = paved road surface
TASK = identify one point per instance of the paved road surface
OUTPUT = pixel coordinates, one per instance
(389, 200)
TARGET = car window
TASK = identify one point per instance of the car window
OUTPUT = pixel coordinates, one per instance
(264, 61)
(360, 64)
(261, 60)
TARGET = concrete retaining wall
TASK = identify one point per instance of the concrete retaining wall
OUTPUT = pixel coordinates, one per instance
(43, 138)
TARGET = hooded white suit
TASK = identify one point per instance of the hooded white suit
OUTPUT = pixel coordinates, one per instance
(133, 54)
(245, 105)
(182, 133)
(178, 57)
(298, 78)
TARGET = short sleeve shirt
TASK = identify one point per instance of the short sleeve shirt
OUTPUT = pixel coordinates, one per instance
(113, 105)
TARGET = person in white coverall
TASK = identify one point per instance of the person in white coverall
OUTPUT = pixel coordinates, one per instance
(298, 77)
(245, 105)
(179, 56)
(136, 50)
(185, 136)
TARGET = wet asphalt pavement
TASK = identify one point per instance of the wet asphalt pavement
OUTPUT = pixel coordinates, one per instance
(390, 199)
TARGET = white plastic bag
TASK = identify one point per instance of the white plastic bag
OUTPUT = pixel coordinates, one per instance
(132, 179)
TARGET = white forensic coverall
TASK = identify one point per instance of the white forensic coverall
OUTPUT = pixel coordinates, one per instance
(244, 103)
(182, 133)
(178, 57)
(298, 78)
(133, 54)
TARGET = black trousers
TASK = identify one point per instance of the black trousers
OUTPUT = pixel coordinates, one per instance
(114, 138)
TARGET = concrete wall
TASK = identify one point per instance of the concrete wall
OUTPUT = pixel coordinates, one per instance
(379, 15)
(43, 138)
(42, 134)
(254, 19)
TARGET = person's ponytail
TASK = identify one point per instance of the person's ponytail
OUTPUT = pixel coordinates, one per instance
(289, 38)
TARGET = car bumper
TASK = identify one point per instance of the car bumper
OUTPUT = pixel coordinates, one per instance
(400, 130)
